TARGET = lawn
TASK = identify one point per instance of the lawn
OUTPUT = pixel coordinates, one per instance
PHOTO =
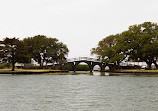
(29, 70)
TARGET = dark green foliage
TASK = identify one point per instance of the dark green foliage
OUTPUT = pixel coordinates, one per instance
(80, 67)
(13, 51)
(107, 51)
(46, 50)
(58, 68)
(69, 68)
(5, 65)
(139, 42)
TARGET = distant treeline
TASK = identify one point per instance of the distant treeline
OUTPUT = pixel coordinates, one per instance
(40, 48)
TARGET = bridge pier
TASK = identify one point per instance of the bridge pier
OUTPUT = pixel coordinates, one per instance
(90, 66)
(75, 66)
(103, 67)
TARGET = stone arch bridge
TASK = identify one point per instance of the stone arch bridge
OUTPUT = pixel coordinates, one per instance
(91, 62)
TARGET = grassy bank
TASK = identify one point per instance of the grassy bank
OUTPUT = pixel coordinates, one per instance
(30, 71)
(9, 69)
(140, 70)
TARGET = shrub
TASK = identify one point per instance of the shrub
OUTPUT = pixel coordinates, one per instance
(5, 65)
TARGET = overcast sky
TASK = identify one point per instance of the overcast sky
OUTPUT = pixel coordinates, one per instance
(80, 24)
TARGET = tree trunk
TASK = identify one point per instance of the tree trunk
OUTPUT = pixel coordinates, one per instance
(102, 67)
(41, 64)
(13, 60)
(112, 66)
(118, 67)
(13, 66)
(155, 64)
(149, 64)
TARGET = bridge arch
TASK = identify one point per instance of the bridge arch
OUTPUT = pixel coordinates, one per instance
(107, 68)
(97, 67)
(91, 62)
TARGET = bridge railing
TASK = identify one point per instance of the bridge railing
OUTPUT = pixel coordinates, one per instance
(82, 59)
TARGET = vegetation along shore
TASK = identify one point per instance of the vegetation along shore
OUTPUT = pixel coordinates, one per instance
(139, 43)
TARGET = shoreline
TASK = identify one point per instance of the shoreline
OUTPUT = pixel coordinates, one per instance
(133, 72)
(65, 72)
(32, 72)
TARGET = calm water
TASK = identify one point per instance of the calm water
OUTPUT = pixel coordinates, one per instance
(78, 93)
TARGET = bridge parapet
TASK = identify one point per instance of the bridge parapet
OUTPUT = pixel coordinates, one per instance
(82, 59)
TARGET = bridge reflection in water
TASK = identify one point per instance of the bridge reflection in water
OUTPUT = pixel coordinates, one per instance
(91, 62)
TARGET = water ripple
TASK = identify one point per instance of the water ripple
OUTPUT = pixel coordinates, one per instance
(78, 93)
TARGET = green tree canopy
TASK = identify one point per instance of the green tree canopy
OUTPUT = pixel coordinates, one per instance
(14, 51)
(46, 50)
(107, 51)
(138, 42)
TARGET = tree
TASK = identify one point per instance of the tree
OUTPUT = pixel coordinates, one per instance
(107, 51)
(14, 51)
(46, 50)
(103, 50)
(140, 42)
